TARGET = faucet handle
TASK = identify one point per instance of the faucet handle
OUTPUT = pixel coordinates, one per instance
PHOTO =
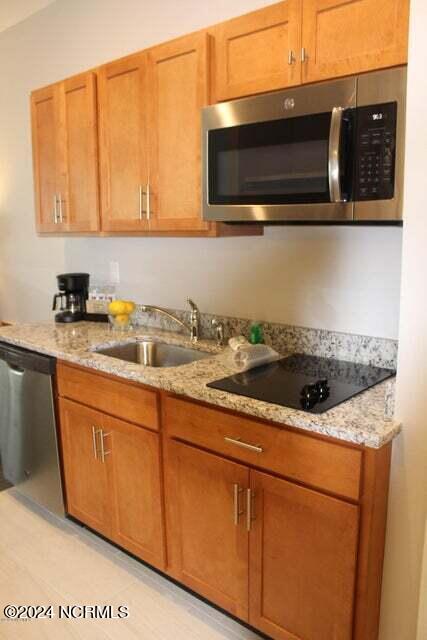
(192, 304)
(219, 330)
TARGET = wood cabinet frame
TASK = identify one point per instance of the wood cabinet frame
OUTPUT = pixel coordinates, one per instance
(281, 18)
(315, 33)
(370, 24)
(369, 504)
(294, 25)
(72, 204)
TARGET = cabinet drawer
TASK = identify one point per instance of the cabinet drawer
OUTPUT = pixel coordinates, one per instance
(124, 400)
(326, 465)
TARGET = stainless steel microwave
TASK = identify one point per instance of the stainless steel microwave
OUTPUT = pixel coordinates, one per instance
(327, 152)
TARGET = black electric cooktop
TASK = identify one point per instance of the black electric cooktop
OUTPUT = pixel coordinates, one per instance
(304, 382)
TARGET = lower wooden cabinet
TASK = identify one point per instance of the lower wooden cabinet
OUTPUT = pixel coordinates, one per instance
(112, 479)
(136, 501)
(229, 506)
(86, 476)
(208, 541)
(303, 561)
(234, 532)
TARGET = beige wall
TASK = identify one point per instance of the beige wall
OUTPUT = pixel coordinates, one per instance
(14, 11)
(408, 499)
(336, 278)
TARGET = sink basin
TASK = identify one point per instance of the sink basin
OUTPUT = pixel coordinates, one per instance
(154, 354)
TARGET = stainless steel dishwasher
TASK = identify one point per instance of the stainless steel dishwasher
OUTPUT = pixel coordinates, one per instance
(28, 439)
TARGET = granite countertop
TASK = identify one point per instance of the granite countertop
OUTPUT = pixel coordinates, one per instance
(365, 419)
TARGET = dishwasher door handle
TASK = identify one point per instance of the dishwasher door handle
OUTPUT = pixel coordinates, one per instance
(17, 371)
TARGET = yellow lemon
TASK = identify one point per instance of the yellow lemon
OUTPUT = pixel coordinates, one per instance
(130, 306)
(122, 319)
(117, 307)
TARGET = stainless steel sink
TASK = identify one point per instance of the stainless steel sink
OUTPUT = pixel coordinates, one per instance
(154, 354)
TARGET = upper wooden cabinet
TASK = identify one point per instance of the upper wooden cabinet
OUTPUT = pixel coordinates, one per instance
(64, 127)
(300, 41)
(143, 162)
(259, 51)
(45, 128)
(178, 89)
(343, 37)
(123, 144)
(80, 170)
(150, 147)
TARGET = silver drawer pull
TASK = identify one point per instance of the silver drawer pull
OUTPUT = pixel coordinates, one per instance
(245, 445)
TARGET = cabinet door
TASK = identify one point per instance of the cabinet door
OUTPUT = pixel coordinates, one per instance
(179, 88)
(208, 541)
(78, 190)
(123, 144)
(86, 479)
(343, 37)
(259, 51)
(134, 467)
(46, 157)
(303, 551)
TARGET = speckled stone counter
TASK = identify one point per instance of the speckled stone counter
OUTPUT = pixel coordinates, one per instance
(365, 419)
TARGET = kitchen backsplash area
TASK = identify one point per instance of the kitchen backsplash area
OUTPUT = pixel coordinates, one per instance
(286, 339)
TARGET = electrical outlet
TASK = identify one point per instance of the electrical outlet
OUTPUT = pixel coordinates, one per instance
(114, 272)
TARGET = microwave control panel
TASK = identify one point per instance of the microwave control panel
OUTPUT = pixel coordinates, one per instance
(376, 151)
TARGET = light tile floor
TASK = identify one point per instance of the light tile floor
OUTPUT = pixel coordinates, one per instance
(45, 560)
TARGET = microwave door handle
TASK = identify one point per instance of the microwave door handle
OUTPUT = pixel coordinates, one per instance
(334, 154)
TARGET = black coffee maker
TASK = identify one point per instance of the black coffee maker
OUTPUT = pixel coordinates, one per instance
(73, 292)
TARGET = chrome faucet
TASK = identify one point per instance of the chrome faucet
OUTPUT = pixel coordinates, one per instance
(192, 328)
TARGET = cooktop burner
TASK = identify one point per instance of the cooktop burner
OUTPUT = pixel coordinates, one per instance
(308, 383)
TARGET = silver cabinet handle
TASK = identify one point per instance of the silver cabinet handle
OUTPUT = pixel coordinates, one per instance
(334, 154)
(250, 496)
(304, 56)
(103, 452)
(291, 57)
(55, 208)
(237, 491)
(245, 445)
(95, 447)
(144, 212)
(61, 215)
(148, 211)
(141, 195)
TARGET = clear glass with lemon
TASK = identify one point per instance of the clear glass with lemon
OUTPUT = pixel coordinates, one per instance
(120, 314)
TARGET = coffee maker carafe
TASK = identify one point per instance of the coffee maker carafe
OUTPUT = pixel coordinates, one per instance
(73, 292)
